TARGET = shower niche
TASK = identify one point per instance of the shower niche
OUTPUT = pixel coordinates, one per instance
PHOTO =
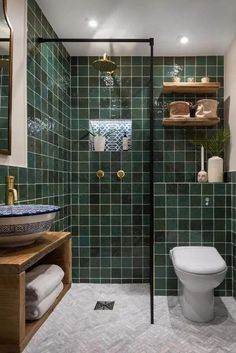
(113, 131)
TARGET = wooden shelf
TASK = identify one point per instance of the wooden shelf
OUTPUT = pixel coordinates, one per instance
(52, 248)
(17, 260)
(194, 122)
(190, 87)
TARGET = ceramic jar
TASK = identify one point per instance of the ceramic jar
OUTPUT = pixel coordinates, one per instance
(215, 170)
(205, 79)
(176, 79)
(99, 143)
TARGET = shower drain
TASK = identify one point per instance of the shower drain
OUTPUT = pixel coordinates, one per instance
(100, 305)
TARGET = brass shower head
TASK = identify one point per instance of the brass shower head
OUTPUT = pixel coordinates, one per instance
(104, 64)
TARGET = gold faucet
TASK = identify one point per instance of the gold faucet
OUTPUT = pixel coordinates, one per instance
(11, 192)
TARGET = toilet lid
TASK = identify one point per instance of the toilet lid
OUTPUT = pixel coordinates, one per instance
(198, 259)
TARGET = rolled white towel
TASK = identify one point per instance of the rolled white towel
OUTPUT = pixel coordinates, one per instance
(41, 281)
(35, 310)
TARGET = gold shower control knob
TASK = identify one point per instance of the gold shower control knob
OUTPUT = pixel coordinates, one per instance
(100, 173)
(120, 174)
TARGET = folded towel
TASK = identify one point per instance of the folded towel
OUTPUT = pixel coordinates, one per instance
(35, 311)
(41, 281)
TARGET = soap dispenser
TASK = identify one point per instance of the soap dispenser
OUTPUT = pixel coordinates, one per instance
(125, 142)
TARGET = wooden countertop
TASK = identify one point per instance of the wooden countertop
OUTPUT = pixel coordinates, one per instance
(16, 260)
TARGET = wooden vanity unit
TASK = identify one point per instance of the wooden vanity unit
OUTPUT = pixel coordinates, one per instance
(52, 248)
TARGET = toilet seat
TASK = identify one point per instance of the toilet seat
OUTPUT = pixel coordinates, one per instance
(201, 260)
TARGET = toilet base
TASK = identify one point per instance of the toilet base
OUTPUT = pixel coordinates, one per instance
(196, 306)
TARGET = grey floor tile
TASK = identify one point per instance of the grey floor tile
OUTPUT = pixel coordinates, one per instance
(74, 327)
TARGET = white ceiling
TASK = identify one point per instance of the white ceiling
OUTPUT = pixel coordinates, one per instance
(209, 24)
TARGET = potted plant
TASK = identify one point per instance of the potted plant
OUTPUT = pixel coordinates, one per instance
(177, 69)
(99, 139)
(214, 143)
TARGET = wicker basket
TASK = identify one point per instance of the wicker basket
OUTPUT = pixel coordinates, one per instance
(206, 108)
(179, 109)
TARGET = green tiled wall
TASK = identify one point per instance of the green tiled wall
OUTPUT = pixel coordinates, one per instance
(233, 225)
(4, 84)
(182, 218)
(110, 216)
(231, 176)
(46, 180)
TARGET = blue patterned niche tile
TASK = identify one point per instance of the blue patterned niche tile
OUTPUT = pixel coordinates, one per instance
(114, 141)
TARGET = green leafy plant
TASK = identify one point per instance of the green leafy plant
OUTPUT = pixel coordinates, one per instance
(177, 69)
(214, 142)
(99, 133)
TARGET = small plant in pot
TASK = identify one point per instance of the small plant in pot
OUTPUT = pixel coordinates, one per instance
(214, 143)
(177, 69)
(99, 139)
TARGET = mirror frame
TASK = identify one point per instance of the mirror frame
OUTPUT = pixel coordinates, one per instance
(8, 151)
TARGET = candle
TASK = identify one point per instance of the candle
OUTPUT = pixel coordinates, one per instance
(202, 157)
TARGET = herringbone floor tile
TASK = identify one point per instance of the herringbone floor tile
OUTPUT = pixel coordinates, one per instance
(74, 327)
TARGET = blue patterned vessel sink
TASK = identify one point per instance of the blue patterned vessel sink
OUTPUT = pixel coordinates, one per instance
(26, 210)
(21, 225)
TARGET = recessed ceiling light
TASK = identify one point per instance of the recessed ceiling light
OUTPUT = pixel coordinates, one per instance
(93, 23)
(183, 40)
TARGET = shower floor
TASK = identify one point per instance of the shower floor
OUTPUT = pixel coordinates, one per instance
(75, 327)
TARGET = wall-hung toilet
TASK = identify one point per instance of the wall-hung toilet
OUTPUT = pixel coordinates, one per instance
(199, 269)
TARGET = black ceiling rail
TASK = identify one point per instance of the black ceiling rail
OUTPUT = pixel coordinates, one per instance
(95, 40)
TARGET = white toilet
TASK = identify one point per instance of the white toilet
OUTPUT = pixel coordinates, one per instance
(199, 269)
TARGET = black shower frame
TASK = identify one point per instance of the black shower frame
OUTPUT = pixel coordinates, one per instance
(151, 119)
